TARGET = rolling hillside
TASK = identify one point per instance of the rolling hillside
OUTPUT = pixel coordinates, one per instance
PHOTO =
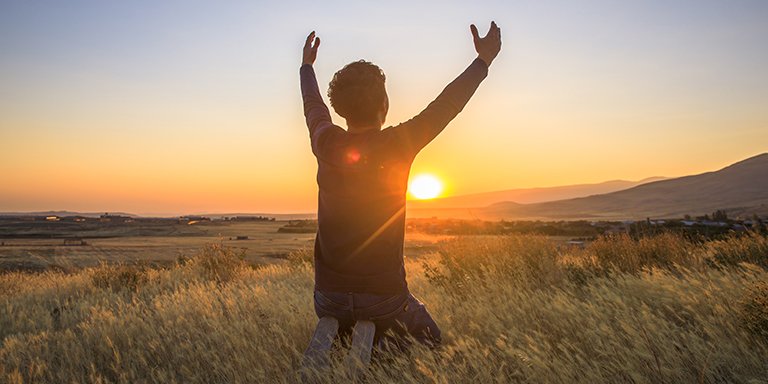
(740, 189)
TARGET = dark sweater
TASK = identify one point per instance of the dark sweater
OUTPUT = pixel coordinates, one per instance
(363, 179)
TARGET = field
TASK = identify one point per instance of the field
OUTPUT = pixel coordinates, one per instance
(517, 308)
(41, 247)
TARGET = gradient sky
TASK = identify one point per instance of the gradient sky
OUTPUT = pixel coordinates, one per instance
(191, 106)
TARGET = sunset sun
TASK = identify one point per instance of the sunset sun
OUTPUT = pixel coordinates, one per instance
(425, 186)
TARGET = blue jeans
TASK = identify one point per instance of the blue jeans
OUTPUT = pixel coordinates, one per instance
(395, 316)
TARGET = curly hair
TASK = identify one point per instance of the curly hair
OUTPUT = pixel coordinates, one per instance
(357, 91)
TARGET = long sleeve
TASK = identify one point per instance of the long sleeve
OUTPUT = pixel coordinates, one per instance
(421, 129)
(315, 111)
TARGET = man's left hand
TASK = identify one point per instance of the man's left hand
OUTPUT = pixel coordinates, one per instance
(310, 50)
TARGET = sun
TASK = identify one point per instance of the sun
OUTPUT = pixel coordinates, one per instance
(425, 186)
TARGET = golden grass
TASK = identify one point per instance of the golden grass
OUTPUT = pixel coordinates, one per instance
(512, 309)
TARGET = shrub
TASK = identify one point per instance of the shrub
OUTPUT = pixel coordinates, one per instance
(119, 278)
(733, 250)
(217, 262)
(301, 257)
(537, 261)
(526, 259)
(754, 309)
(624, 254)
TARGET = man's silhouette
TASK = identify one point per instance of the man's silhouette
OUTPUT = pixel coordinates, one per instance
(362, 177)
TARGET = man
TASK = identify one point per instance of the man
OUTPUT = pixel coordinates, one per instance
(362, 177)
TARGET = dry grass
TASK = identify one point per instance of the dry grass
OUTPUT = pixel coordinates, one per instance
(512, 309)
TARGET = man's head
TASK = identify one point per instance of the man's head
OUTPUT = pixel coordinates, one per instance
(357, 94)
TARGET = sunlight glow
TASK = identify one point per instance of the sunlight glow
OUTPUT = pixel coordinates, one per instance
(197, 90)
(425, 186)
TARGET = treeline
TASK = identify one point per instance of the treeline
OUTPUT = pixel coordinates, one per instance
(581, 228)
(703, 227)
(699, 229)
(299, 226)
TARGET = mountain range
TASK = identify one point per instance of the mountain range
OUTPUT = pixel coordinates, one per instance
(740, 189)
(66, 213)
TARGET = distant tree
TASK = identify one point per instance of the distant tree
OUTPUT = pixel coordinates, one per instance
(687, 217)
(720, 215)
(758, 225)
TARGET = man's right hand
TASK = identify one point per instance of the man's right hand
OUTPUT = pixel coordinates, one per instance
(310, 51)
(489, 46)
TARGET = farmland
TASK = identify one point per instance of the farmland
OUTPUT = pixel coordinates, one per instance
(37, 246)
(513, 308)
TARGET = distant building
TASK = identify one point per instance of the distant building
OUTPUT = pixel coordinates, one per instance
(253, 218)
(575, 244)
(194, 218)
(113, 218)
(74, 242)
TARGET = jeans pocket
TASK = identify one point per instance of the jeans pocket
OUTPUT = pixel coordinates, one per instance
(389, 315)
(328, 304)
(386, 308)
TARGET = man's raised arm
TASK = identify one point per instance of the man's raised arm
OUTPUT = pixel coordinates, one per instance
(420, 130)
(315, 110)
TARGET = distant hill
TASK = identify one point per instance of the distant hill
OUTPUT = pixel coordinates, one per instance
(65, 213)
(740, 189)
(278, 216)
(527, 195)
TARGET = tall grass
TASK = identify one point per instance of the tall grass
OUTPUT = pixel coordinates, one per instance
(512, 309)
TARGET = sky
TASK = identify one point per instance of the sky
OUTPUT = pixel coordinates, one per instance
(169, 107)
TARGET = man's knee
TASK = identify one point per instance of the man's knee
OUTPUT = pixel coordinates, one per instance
(427, 332)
